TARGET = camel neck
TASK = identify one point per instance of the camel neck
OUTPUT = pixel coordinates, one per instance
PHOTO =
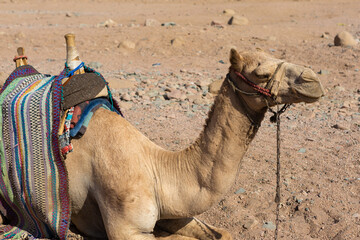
(208, 168)
(226, 137)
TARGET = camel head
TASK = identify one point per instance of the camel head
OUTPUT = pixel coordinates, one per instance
(265, 81)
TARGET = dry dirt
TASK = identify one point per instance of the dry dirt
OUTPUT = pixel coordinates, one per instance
(320, 142)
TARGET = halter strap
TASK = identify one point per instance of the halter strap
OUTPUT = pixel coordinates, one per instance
(256, 87)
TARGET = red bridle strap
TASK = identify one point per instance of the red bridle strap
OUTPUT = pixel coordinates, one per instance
(256, 87)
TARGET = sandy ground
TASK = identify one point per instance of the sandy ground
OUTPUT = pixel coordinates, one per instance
(320, 148)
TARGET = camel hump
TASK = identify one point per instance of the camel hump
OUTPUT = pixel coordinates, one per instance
(72, 55)
(20, 59)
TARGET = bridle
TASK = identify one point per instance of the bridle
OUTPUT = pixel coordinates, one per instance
(268, 92)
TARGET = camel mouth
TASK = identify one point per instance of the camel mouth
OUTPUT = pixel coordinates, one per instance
(308, 98)
(308, 86)
(311, 91)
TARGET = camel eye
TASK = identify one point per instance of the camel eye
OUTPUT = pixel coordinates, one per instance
(262, 75)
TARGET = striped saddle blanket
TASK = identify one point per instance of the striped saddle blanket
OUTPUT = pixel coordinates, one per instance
(33, 181)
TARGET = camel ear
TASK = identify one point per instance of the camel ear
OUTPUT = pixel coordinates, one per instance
(236, 60)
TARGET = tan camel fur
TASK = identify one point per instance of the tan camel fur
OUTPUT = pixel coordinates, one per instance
(121, 183)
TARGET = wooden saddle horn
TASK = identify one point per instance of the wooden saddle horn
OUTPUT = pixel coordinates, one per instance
(72, 55)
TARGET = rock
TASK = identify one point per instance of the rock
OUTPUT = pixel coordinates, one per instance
(216, 24)
(344, 39)
(203, 83)
(240, 190)
(302, 150)
(325, 35)
(229, 12)
(68, 14)
(151, 23)
(121, 84)
(177, 42)
(339, 88)
(175, 94)
(168, 24)
(356, 215)
(238, 20)
(340, 126)
(323, 72)
(215, 86)
(152, 93)
(269, 225)
(127, 44)
(95, 65)
(108, 23)
(249, 224)
(126, 97)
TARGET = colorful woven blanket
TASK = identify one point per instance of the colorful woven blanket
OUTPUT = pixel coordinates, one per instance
(33, 182)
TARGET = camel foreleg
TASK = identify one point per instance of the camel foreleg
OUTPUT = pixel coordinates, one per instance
(191, 228)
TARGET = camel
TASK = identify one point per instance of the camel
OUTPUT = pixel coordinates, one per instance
(123, 186)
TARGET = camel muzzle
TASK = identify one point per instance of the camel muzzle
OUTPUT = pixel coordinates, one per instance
(308, 85)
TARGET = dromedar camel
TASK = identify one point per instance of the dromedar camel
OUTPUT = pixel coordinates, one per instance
(123, 186)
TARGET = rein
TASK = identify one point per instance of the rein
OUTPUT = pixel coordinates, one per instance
(266, 92)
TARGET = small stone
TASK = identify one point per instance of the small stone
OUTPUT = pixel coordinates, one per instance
(229, 12)
(125, 97)
(325, 35)
(151, 23)
(68, 14)
(238, 20)
(175, 94)
(249, 224)
(269, 225)
(153, 93)
(339, 88)
(177, 42)
(168, 24)
(215, 86)
(356, 215)
(127, 44)
(240, 190)
(95, 65)
(340, 126)
(323, 72)
(302, 150)
(202, 82)
(344, 39)
(216, 24)
(108, 23)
